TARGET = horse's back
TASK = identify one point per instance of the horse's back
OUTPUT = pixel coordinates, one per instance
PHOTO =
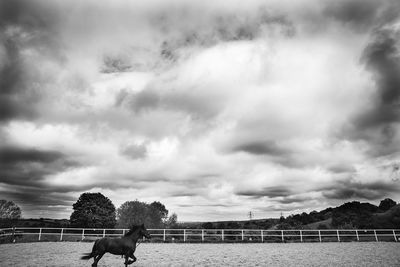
(117, 246)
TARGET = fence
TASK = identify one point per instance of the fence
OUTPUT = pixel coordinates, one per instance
(204, 235)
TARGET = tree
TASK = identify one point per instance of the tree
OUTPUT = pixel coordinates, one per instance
(160, 208)
(93, 210)
(136, 212)
(9, 210)
(386, 204)
(172, 221)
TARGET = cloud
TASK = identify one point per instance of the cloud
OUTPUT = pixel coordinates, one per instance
(262, 148)
(30, 166)
(271, 192)
(357, 190)
(15, 155)
(357, 13)
(378, 124)
(268, 106)
(135, 151)
(27, 30)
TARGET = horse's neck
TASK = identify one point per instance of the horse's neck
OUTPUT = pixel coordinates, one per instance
(134, 237)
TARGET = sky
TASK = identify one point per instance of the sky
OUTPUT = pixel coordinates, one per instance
(214, 108)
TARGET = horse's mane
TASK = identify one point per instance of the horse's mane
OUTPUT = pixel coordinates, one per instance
(132, 230)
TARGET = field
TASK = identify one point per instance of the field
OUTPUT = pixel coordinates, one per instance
(156, 254)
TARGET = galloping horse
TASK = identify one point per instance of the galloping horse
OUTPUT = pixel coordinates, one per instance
(124, 246)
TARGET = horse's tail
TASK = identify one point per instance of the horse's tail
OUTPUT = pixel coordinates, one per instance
(87, 256)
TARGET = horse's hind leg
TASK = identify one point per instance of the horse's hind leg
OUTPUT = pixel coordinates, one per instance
(96, 259)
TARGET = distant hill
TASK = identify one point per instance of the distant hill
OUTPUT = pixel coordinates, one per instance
(350, 215)
(388, 219)
(42, 222)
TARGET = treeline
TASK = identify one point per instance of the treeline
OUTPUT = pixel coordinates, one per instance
(351, 215)
(94, 210)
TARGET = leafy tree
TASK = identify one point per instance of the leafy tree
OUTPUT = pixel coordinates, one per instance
(353, 215)
(160, 208)
(386, 204)
(136, 212)
(9, 210)
(93, 210)
(172, 221)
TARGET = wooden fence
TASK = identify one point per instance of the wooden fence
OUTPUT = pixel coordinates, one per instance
(204, 235)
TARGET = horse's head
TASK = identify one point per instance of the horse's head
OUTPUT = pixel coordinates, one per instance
(143, 231)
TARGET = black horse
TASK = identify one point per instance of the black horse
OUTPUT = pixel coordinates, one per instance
(124, 246)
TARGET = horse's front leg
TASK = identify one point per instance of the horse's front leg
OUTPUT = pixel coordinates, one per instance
(133, 258)
(127, 261)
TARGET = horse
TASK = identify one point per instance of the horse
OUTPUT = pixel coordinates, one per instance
(124, 246)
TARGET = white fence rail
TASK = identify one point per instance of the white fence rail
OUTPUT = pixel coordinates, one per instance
(205, 235)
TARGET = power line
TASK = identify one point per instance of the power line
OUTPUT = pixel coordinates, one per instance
(251, 215)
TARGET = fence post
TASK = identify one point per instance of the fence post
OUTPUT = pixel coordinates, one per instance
(222, 235)
(283, 239)
(301, 236)
(394, 234)
(202, 235)
(62, 232)
(319, 235)
(358, 238)
(338, 236)
(242, 235)
(40, 233)
(184, 235)
(13, 234)
(262, 236)
(376, 237)
(164, 235)
(104, 232)
(83, 234)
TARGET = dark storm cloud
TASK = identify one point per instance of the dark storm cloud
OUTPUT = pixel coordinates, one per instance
(14, 155)
(359, 14)
(377, 124)
(292, 199)
(12, 75)
(29, 166)
(135, 151)
(113, 64)
(351, 189)
(144, 101)
(25, 26)
(262, 148)
(38, 197)
(204, 28)
(382, 58)
(206, 205)
(198, 103)
(271, 192)
(341, 168)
